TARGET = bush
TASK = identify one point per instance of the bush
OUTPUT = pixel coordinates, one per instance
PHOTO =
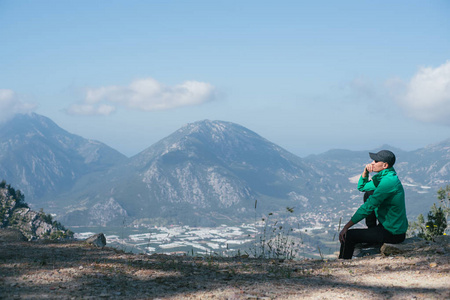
(436, 223)
(46, 217)
(436, 218)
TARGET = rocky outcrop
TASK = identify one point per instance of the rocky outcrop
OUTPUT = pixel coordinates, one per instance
(439, 245)
(98, 240)
(15, 214)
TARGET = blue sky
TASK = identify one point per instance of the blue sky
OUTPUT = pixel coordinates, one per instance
(307, 75)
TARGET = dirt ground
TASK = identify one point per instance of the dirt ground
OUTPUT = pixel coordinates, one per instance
(73, 270)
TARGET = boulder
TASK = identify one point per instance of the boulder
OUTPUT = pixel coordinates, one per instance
(439, 245)
(98, 240)
(443, 240)
(443, 244)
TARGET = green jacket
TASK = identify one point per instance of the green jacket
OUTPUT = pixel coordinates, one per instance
(388, 201)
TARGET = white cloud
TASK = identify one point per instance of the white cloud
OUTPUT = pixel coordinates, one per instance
(11, 105)
(426, 97)
(144, 94)
(91, 109)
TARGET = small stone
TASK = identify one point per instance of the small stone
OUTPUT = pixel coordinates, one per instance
(81, 268)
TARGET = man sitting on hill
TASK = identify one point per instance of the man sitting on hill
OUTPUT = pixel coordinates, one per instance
(387, 202)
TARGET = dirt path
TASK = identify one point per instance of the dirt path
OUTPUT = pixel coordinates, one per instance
(73, 270)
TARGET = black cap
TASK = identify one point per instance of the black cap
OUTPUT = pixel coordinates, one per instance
(384, 156)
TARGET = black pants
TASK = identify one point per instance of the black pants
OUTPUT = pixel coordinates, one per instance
(374, 234)
(371, 221)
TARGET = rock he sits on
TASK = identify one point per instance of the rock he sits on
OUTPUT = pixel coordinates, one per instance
(440, 244)
(362, 250)
(98, 240)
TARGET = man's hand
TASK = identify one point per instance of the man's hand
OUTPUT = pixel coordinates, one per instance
(342, 235)
(367, 169)
(344, 230)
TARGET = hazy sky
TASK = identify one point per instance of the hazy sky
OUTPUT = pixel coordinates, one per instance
(307, 75)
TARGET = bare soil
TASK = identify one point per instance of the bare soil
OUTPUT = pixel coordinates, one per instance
(73, 270)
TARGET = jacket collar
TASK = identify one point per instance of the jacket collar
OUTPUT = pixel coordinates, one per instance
(377, 177)
(388, 170)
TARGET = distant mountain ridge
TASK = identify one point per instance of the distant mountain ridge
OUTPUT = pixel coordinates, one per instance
(41, 158)
(205, 173)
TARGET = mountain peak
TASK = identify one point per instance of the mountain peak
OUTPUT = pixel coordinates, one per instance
(211, 166)
(219, 137)
(207, 126)
(29, 124)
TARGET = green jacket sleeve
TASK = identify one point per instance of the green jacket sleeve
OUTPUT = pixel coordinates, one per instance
(364, 185)
(383, 191)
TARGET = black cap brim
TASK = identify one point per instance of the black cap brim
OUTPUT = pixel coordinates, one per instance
(374, 156)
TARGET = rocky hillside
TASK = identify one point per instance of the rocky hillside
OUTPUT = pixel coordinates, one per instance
(15, 214)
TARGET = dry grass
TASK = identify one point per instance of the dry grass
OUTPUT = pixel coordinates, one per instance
(72, 270)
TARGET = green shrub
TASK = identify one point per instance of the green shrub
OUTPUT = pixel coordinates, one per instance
(436, 218)
(436, 223)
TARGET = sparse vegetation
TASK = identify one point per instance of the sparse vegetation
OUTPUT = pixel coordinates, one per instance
(436, 218)
(275, 240)
(17, 195)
